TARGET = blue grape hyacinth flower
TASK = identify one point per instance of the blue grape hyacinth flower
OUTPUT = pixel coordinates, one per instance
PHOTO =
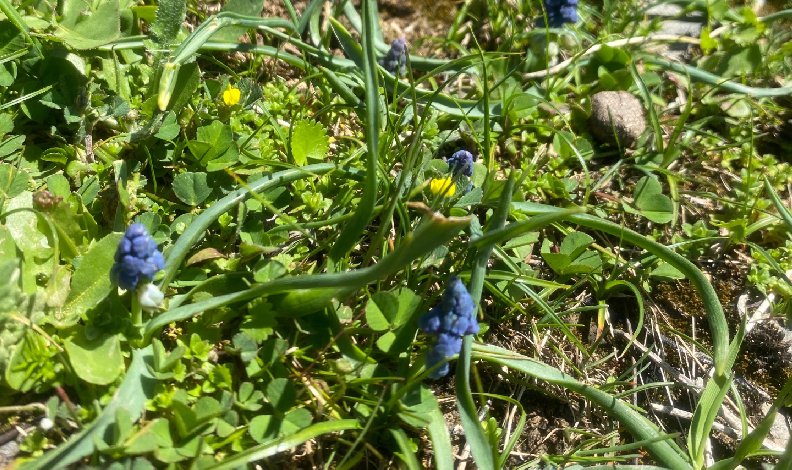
(137, 258)
(395, 61)
(560, 12)
(462, 162)
(450, 320)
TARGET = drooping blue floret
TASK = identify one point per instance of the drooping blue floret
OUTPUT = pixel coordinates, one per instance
(137, 258)
(560, 12)
(462, 162)
(395, 60)
(450, 320)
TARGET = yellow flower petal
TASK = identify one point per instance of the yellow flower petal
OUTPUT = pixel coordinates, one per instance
(231, 96)
(444, 185)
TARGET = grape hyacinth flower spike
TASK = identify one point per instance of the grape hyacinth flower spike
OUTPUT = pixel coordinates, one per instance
(462, 162)
(137, 261)
(452, 319)
(560, 12)
(395, 61)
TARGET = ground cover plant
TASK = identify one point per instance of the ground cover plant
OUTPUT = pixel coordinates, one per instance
(334, 234)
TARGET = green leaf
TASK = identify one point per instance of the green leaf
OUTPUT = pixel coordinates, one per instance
(91, 281)
(98, 361)
(191, 188)
(83, 27)
(651, 201)
(243, 7)
(295, 420)
(666, 273)
(11, 144)
(263, 428)
(281, 394)
(135, 389)
(381, 310)
(267, 449)
(309, 142)
(58, 185)
(187, 81)
(170, 127)
(739, 61)
(271, 270)
(214, 143)
(170, 16)
(12, 181)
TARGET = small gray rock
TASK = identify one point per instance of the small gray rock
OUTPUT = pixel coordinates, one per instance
(626, 112)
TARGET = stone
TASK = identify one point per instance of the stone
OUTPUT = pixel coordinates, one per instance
(626, 113)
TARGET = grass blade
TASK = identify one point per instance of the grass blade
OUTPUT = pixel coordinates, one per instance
(712, 305)
(640, 427)
(268, 449)
(207, 218)
(352, 231)
(779, 204)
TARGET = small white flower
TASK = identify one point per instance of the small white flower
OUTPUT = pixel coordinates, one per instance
(150, 297)
(46, 424)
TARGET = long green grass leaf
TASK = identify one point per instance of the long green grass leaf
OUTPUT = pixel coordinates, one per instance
(196, 230)
(712, 305)
(640, 427)
(242, 459)
(352, 231)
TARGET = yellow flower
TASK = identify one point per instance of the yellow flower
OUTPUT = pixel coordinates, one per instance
(445, 185)
(231, 96)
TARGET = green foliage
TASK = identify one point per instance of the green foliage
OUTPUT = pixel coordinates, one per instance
(303, 244)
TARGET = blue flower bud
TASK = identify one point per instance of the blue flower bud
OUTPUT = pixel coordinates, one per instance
(395, 60)
(137, 258)
(462, 162)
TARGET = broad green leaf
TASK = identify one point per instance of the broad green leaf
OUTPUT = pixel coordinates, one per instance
(170, 127)
(34, 245)
(191, 188)
(381, 310)
(91, 280)
(11, 144)
(135, 389)
(309, 142)
(97, 361)
(213, 146)
(12, 181)
(27, 365)
(11, 39)
(281, 394)
(58, 185)
(651, 201)
(263, 428)
(295, 420)
(170, 16)
(666, 272)
(85, 27)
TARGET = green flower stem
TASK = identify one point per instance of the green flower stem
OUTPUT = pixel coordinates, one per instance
(482, 452)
